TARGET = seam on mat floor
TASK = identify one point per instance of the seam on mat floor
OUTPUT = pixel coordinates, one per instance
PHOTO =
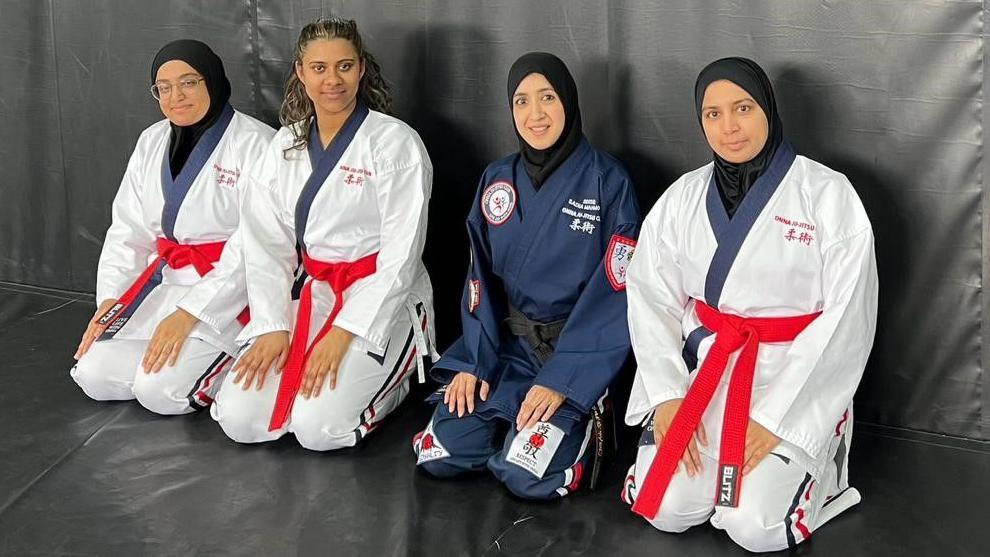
(19, 494)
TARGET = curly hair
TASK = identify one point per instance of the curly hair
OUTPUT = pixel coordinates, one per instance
(297, 108)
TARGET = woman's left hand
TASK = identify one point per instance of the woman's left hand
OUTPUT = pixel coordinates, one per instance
(539, 406)
(167, 341)
(759, 443)
(324, 361)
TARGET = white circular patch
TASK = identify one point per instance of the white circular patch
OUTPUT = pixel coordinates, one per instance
(498, 202)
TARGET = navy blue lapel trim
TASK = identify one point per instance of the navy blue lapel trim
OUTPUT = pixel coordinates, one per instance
(174, 190)
(324, 161)
(731, 233)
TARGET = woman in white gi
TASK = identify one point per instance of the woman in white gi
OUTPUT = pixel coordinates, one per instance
(343, 189)
(164, 273)
(752, 309)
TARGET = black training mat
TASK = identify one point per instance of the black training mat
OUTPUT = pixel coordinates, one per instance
(85, 478)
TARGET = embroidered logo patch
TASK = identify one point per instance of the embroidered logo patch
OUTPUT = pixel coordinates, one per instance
(498, 201)
(797, 231)
(617, 259)
(474, 295)
(534, 447)
(430, 447)
(226, 176)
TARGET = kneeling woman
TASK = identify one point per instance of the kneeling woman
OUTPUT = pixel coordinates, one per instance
(552, 230)
(760, 268)
(346, 187)
(165, 274)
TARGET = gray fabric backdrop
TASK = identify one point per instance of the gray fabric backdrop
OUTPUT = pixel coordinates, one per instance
(890, 92)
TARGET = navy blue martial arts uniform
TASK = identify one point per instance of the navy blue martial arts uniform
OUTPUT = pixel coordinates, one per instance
(554, 253)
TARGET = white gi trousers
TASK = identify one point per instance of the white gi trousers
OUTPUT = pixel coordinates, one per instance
(368, 389)
(111, 370)
(780, 503)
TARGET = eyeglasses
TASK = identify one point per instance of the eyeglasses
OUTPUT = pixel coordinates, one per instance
(164, 89)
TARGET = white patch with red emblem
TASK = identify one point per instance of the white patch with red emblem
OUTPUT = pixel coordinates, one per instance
(534, 447)
(617, 258)
(474, 295)
(430, 447)
(498, 201)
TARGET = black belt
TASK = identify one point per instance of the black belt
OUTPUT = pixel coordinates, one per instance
(538, 335)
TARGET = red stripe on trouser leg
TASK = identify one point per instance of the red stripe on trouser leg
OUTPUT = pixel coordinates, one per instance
(339, 276)
(731, 333)
(578, 470)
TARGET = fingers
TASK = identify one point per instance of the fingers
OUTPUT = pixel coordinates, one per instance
(547, 413)
(87, 340)
(333, 373)
(754, 457)
(164, 350)
(259, 379)
(465, 399)
(459, 395)
(538, 411)
(450, 395)
(250, 368)
(526, 411)
(151, 353)
(470, 401)
(657, 436)
(316, 368)
(174, 355)
(283, 356)
(692, 459)
(543, 407)
(328, 375)
(702, 435)
(484, 390)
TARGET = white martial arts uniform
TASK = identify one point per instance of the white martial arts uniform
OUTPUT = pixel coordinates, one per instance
(146, 210)
(800, 247)
(374, 200)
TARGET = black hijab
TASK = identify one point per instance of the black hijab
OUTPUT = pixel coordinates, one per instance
(208, 64)
(734, 180)
(541, 163)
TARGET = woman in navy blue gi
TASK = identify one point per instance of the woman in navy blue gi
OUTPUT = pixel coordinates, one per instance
(552, 230)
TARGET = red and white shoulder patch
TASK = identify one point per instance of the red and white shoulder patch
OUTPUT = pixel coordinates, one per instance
(617, 258)
(498, 202)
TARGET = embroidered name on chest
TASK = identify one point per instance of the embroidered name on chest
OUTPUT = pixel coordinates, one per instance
(225, 176)
(584, 214)
(796, 231)
(355, 176)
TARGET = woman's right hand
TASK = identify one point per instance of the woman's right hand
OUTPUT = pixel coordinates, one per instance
(94, 329)
(267, 350)
(663, 416)
(460, 393)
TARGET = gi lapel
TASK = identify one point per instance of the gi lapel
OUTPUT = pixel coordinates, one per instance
(323, 162)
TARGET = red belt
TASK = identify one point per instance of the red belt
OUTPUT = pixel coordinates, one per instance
(339, 276)
(731, 333)
(175, 255)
